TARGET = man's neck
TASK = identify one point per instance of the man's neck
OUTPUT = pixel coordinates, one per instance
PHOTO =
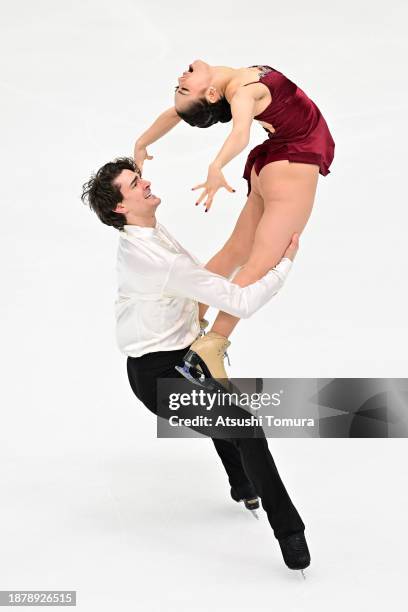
(142, 221)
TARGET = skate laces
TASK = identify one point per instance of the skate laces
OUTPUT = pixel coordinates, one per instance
(203, 325)
(225, 354)
(221, 352)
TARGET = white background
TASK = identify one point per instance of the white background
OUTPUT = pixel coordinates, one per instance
(91, 500)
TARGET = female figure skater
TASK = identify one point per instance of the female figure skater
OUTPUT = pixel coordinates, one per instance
(282, 174)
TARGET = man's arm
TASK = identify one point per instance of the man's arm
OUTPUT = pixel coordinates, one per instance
(187, 279)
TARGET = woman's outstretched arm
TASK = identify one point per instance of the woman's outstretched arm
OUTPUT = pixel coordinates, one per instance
(242, 110)
(163, 124)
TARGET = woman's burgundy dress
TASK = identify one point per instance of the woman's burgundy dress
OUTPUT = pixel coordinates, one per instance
(301, 135)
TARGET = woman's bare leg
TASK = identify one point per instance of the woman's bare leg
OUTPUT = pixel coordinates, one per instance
(237, 249)
(288, 191)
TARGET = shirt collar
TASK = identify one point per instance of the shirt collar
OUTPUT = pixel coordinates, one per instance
(138, 230)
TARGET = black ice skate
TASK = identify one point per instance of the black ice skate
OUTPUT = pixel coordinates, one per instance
(295, 551)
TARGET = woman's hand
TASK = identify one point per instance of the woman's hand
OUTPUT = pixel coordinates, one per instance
(163, 124)
(140, 154)
(292, 248)
(215, 180)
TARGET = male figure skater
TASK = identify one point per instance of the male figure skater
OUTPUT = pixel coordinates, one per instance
(160, 284)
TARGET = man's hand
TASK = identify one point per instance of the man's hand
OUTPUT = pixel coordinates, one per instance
(292, 248)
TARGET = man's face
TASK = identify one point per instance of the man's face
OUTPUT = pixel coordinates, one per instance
(137, 197)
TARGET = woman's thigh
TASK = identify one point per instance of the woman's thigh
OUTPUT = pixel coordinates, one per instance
(242, 237)
(288, 190)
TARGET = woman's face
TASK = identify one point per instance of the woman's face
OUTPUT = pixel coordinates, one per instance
(192, 84)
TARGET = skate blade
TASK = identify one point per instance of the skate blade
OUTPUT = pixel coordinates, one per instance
(303, 574)
(209, 384)
(186, 373)
(255, 514)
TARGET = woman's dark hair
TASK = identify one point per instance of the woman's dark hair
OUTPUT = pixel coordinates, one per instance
(202, 113)
(102, 196)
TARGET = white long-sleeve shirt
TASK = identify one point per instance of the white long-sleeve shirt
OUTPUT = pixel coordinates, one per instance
(160, 285)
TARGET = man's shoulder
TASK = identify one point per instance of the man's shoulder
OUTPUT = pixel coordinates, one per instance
(181, 249)
(143, 256)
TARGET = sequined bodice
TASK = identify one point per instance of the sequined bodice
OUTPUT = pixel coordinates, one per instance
(291, 112)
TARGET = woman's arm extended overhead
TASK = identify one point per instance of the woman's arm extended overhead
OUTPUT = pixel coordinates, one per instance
(163, 124)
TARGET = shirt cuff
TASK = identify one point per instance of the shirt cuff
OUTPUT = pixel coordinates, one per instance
(283, 267)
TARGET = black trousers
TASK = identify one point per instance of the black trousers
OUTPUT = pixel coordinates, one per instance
(247, 461)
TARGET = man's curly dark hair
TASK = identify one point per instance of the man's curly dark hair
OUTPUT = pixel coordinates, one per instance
(202, 113)
(102, 196)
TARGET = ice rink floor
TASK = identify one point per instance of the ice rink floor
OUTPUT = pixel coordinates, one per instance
(149, 525)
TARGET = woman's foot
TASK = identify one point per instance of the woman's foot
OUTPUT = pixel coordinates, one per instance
(206, 354)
